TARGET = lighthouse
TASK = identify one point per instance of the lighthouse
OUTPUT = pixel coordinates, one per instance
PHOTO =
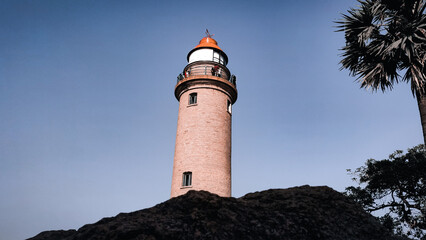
(206, 91)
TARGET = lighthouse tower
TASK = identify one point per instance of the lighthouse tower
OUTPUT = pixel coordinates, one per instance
(206, 91)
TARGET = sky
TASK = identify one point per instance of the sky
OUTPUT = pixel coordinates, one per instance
(88, 115)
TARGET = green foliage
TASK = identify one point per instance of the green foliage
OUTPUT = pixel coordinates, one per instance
(384, 38)
(395, 186)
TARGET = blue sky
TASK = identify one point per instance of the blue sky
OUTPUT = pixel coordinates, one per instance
(88, 116)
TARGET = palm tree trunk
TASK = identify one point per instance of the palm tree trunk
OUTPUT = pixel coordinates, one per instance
(421, 100)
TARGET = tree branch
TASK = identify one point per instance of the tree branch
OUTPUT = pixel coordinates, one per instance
(384, 206)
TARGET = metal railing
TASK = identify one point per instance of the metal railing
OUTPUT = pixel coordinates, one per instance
(210, 70)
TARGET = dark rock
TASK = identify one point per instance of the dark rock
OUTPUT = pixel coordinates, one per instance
(60, 234)
(292, 214)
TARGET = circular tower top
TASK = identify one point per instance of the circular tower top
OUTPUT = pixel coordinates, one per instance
(208, 43)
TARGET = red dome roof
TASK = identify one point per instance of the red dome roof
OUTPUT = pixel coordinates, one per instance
(208, 42)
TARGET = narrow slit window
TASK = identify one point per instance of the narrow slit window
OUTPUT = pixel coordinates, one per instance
(229, 106)
(216, 57)
(187, 179)
(192, 98)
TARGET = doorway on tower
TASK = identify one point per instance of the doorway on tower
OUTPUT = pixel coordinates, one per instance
(187, 179)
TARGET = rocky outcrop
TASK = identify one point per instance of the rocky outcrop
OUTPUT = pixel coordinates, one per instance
(291, 214)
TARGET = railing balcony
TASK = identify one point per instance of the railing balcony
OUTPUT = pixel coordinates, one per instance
(210, 70)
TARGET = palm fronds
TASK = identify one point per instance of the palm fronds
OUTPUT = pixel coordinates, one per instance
(384, 38)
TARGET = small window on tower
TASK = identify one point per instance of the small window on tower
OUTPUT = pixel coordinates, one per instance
(229, 106)
(192, 98)
(187, 179)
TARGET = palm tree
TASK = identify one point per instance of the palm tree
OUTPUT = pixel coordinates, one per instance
(386, 44)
